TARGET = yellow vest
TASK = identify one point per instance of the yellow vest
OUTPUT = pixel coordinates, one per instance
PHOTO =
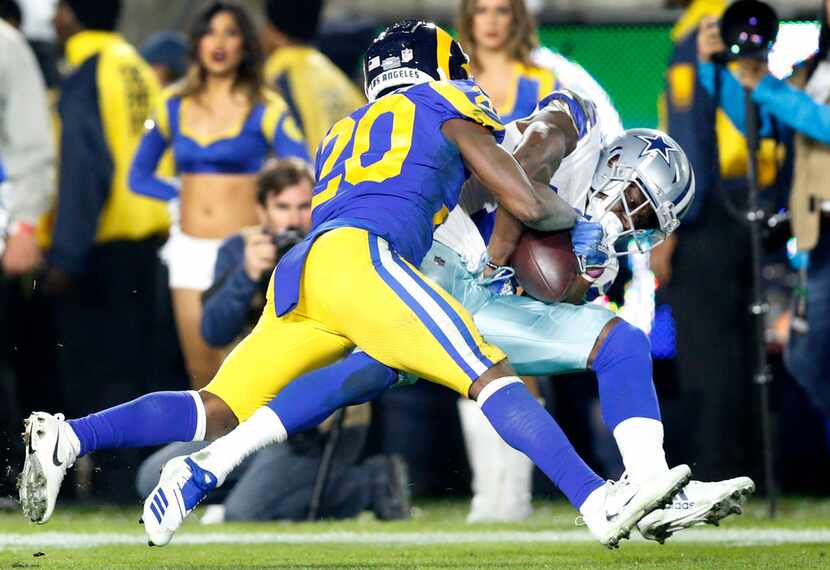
(315, 89)
(127, 94)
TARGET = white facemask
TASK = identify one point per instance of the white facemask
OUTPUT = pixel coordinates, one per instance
(599, 212)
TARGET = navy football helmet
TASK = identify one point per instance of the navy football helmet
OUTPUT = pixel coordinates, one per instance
(410, 52)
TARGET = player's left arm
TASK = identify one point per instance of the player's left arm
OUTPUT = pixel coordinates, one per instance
(531, 202)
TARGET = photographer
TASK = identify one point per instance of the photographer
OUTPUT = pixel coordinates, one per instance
(246, 260)
(798, 109)
(704, 269)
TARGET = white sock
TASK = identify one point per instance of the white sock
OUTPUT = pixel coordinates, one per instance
(71, 437)
(201, 416)
(640, 441)
(222, 456)
(482, 442)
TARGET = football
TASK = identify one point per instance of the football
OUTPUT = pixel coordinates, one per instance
(546, 266)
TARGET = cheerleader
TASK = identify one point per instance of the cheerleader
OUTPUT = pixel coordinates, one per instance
(221, 124)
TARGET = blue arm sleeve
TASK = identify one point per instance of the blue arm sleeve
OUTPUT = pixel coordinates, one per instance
(83, 186)
(227, 303)
(794, 108)
(143, 179)
(731, 98)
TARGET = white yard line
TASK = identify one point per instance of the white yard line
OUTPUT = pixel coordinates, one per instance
(739, 537)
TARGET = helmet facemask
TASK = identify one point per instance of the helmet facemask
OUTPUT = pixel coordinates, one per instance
(622, 203)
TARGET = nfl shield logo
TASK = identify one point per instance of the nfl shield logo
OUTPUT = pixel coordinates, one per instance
(406, 55)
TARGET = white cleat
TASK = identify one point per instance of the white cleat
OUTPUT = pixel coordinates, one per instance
(182, 486)
(698, 503)
(614, 509)
(49, 453)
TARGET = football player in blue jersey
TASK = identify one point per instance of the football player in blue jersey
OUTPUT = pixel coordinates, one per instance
(384, 174)
(642, 186)
(342, 192)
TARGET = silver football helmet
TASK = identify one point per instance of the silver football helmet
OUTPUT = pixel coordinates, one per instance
(642, 188)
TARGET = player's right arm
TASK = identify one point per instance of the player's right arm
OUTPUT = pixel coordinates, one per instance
(532, 203)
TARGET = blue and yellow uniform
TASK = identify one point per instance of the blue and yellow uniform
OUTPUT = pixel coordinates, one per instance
(531, 84)
(103, 105)
(383, 172)
(297, 70)
(268, 128)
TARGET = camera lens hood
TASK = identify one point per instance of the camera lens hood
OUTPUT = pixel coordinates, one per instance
(749, 28)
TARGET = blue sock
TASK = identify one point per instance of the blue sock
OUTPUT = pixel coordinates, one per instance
(154, 419)
(313, 397)
(525, 425)
(623, 368)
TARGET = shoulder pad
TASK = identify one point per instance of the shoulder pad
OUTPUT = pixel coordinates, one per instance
(468, 101)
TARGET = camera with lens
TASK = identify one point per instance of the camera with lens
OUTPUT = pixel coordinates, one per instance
(284, 241)
(748, 28)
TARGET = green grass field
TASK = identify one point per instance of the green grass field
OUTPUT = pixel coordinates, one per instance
(436, 537)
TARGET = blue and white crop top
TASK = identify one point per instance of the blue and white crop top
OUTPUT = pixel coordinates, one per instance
(268, 128)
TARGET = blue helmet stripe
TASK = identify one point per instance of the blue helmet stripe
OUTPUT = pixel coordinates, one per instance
(685, 191)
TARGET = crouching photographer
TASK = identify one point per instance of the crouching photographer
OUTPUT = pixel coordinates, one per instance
(278, 482)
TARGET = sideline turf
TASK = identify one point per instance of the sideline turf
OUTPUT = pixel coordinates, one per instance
(447, 556)
(431, 517)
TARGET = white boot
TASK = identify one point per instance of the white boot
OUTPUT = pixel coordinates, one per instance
(612, 510)
(51, 448)
(698, 503)
(483, 445)
(182, 486)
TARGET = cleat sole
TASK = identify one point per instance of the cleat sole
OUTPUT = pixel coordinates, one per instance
(33, 491)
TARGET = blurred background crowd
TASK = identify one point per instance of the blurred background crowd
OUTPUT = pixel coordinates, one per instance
(156, 161)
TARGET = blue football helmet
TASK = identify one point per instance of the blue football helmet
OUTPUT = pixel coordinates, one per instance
(410, 52)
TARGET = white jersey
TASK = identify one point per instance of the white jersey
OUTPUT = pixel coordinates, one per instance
(572, 181)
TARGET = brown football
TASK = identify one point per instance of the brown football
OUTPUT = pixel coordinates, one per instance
(546, 266)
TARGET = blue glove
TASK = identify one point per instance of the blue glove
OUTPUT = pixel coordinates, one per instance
(587, 242)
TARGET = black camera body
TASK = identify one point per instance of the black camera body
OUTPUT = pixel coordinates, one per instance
(748, 28)
(287, 239)
(283, 241)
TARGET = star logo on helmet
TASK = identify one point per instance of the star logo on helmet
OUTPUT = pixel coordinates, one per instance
(657, 145)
